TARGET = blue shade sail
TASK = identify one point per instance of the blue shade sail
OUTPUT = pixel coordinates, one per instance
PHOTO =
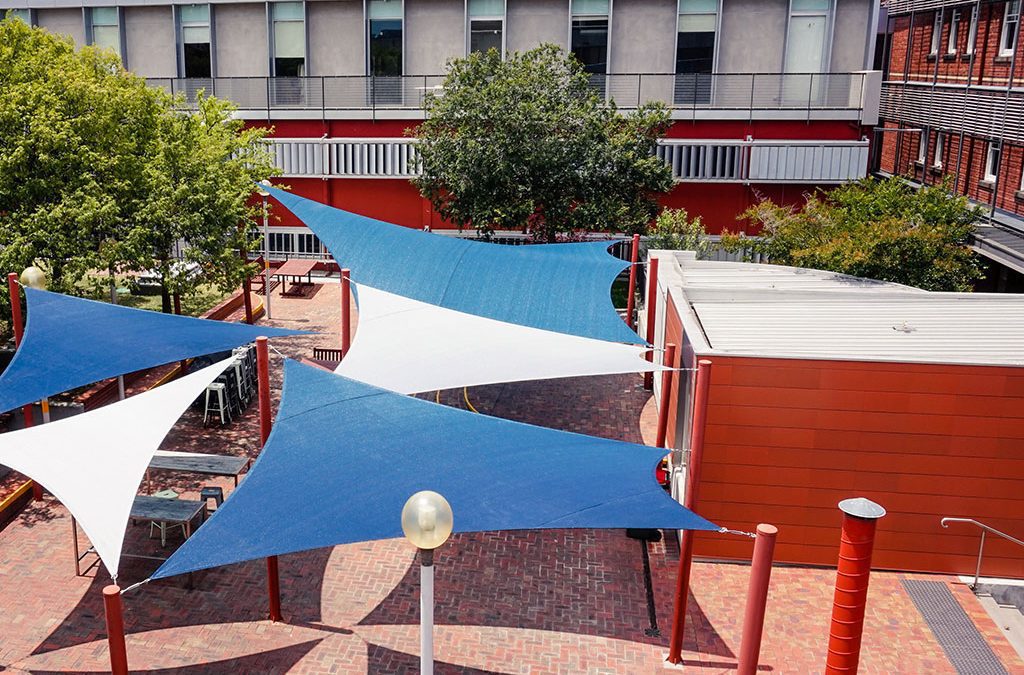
(559, 287)
(343, 457)
(71, 342)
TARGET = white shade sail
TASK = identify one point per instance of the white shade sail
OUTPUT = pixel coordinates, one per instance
(93, 463)
(409, 346)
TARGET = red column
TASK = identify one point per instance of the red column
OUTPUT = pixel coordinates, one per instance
(115, 629)
(693, 468)
(852, 574)
(634, 257)
(17, 322)
(652, 308)
(346, 312)
(263, 375)
(757, 599)
(666, 391)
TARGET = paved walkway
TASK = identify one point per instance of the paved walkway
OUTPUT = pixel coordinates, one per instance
(566, 601)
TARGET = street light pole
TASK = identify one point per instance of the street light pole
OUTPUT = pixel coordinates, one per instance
(427, 523)
(266, 246)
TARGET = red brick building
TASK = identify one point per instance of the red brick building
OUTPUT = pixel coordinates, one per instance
(953, 110)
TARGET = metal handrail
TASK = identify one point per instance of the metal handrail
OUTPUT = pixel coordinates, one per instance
(981, 548)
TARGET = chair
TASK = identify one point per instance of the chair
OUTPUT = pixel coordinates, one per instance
(222, 407)
(214, 492)
(161, 525)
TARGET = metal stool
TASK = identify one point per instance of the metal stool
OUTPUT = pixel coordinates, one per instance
(162, 526)
(221, 399)
(241, 382)
(214, 492)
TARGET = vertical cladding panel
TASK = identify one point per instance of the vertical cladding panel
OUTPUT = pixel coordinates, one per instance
(336, 37)
(788, 439)
(533, 22)
(435, 32)
(150, 45)
(63, 21)
(643, 37)
(242, 49)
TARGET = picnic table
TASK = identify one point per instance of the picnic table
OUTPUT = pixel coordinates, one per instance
(294, 270)
(195, 462)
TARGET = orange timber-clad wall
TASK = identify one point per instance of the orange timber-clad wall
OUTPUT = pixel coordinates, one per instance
(788, 439)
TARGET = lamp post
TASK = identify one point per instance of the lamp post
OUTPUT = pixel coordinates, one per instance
(266, 245)
(427, 523)
(33, 277)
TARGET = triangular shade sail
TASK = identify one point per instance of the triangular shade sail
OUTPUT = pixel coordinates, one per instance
(71, 342)
(409, 346)
(93, 463)
(564, 288)
(343, 458)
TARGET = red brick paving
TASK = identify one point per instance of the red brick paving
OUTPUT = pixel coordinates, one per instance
(567, 601)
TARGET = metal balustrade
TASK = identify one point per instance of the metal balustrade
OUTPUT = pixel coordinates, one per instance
(695, 92)
(981, 546)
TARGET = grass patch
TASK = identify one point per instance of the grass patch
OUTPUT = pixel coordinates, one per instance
(200, 301)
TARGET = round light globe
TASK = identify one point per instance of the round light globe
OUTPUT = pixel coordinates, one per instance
(427, 520)
(262, 189)
(33, 277)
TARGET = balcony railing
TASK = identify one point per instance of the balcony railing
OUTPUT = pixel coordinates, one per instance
(737, 92)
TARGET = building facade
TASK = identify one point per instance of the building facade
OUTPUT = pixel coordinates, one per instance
(769, 98)
(953, 110)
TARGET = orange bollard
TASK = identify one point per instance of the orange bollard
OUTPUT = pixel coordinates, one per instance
(757, 599)
(693, 469)
(263, 381)
(346, 312)
(631, 300)
(115, 629)
(652, 308)
(852, 575)
(18, 324)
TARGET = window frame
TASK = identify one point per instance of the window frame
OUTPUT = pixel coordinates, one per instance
(368, 36)
(936, 33)
(179, 28)
(271, 39)
(972, 31)
(991, 174)
(940, 149)
(90, 27)
(1004, 33)
(954, 31)
(503, 18)
(922, 147)
(830, 25)
(608, 38)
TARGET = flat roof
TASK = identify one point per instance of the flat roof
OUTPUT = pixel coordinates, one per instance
(773, 311)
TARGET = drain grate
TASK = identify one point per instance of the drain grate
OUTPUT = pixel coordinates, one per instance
(964, 645)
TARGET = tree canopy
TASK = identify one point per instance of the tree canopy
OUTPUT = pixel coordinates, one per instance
(879, 229)
(527, 143)
(100, 172)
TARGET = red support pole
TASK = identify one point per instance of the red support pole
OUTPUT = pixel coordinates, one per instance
(18, 324)
(346, 312)
(652, 308)
(115, 629)
(693, 469)
(852, 574)
(666, 391)
(757, 599)
(263, 381)
(634, 258)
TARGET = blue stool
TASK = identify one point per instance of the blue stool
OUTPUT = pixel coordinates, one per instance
(212, 492)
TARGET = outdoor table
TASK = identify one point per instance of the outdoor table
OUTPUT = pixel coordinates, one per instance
(295, 269)
(151, 509)
(194, 462)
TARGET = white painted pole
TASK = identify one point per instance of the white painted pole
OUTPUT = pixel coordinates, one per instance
(266, 257)
(427, 613)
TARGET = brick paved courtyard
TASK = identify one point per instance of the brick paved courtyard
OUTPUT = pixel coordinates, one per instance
(512, 602)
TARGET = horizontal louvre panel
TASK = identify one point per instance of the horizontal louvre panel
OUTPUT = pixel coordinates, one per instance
(824, 163)
(345, 157)
(974, 111)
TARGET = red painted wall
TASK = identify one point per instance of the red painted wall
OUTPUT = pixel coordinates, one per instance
(788, 439)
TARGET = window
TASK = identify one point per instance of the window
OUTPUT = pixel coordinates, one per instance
(940, 147)
(992, 162)
(22, 14)
(589, 39)
(308, 244)
(385, 26)
(1011, 21)
(807, 36)
(972, 31)
(289, 37)
(695, 50)
(936, 33)
(195, 41)
(954, 29)
(486, 25)
(104, 28)
(281, 242)
(922, 147)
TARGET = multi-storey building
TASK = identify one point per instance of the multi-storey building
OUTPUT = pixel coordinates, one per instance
(953, 110)
(768, 97)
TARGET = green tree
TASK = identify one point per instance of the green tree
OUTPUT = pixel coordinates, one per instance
(527, 143)
(674, 230)
(99, 172)
(879, 229)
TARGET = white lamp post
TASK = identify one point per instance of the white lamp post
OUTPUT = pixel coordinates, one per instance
(427, 523)
(266, 245)
(33, 277)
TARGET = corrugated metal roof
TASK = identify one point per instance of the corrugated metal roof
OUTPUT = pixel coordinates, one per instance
(783, 312)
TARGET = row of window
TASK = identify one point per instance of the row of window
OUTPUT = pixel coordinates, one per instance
(993, 156)
(807, 41)
(1007, 35)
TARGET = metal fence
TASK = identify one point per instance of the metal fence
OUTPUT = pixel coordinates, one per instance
(713, 91)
